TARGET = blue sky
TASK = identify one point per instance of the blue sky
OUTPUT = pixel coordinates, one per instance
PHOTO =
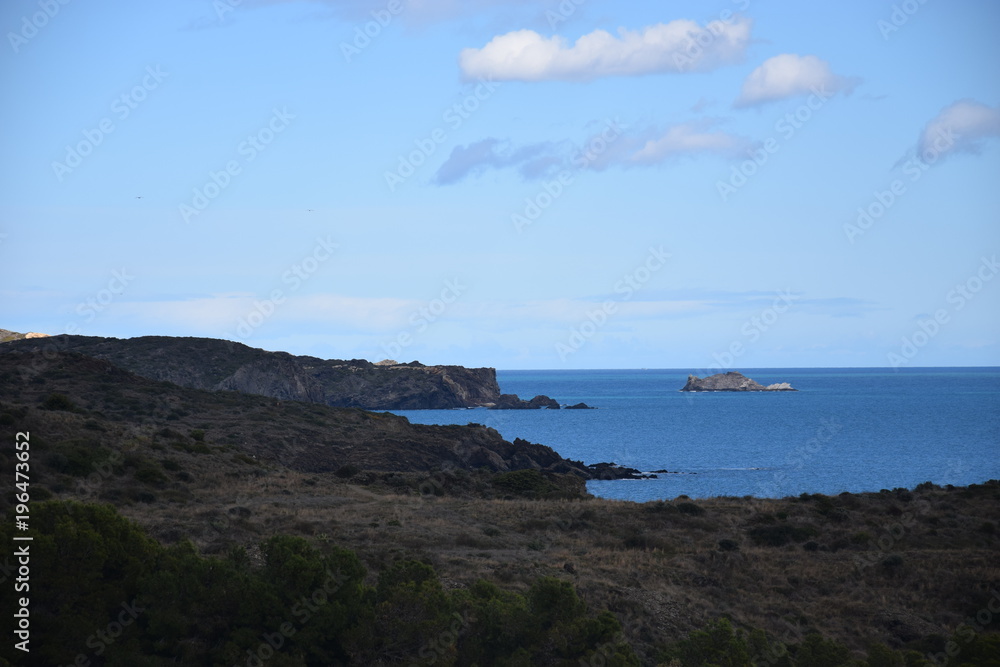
(583, 184)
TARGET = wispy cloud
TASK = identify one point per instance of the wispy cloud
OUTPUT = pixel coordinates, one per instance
(962, 127)
(690, 139)
(791, 75)
(638, 148)
(411, 12)
(532, 161)
(678, 46)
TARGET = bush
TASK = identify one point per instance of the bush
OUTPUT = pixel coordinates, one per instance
(59, 402)
(729, 545)
(690, 508)
(347, 471)
(148, 474)
(171, 465)
(529, 483)
(780, 535)
(892, 563)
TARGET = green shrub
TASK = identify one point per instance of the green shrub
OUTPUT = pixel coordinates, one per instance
(59, 402)
(690, 508)
(347, 471)
(780, 535)
(529, 483)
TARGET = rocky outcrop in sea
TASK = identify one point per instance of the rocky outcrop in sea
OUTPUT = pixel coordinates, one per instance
(731, 381)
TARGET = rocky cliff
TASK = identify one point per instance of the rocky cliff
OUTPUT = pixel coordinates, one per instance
(87, 406)
(731, 381)
(207, 363)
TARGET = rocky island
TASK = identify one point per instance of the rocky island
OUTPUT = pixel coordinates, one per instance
(731, 381)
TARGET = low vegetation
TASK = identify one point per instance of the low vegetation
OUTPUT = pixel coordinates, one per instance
(144, 496)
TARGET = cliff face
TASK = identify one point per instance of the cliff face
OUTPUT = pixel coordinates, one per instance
(206, 363)
(731, 381)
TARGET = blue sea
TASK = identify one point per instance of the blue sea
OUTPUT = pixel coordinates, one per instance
(846, 429)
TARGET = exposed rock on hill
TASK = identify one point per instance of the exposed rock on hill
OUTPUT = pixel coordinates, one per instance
(7, 335)
(731, 381)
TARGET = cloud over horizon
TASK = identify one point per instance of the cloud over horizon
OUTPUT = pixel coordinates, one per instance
(790, 75)
(677, 46)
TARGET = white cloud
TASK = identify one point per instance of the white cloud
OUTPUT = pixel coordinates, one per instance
(690, 139)
(960, 127)
(678, 46)
(791, 75)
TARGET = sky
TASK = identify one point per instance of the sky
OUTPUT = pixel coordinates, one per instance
(521, 185)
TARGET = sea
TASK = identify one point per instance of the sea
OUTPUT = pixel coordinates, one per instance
(845, 429)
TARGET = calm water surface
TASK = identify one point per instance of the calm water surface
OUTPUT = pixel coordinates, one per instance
(844, 430)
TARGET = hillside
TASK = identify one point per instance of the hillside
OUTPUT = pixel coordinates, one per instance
(900, 569)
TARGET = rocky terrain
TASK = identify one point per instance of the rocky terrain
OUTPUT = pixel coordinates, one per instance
(731, 381)
(206, 363)
(7, 335)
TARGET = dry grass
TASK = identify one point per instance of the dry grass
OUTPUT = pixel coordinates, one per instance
(661, 569)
